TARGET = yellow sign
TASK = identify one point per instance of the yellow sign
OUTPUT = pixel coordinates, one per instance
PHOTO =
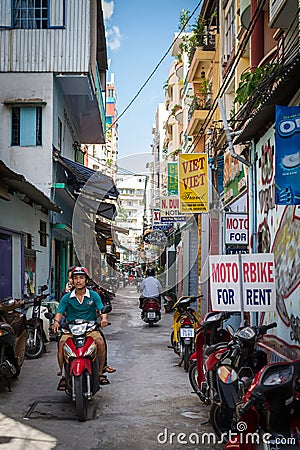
(193, 183)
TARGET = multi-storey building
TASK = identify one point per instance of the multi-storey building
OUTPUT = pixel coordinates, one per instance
(52, 76)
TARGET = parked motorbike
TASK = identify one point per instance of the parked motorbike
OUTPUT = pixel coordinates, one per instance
(38, 333)
(13, 335)
(202, 373)
(81, 363)
(169, 301)
(151, 311)
(236, 369)
(105, 294)
(271, 410)
(184, 326)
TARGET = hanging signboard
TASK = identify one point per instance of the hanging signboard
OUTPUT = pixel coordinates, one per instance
(243, 282)
(236, 228)
(155, 216)
(172, 178)
(287, 155)
(169, 210)
(193, 183)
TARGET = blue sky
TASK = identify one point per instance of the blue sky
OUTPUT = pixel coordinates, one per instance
(138, 35)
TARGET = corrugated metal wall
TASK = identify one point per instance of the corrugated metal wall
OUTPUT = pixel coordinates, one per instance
(50, 50)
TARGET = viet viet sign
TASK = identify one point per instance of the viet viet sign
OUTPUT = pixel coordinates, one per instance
(244, 282)
(236, 228)
(172, 178)
(193, 183)
(287, 155)
(169, 210)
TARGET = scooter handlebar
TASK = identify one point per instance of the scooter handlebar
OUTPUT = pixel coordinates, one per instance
(264, 328)
(251, 402)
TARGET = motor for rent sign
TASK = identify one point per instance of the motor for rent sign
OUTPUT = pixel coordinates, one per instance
(236, 228)
(193, 182)
(244, 282)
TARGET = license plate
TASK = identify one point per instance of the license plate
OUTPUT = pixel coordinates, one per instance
(187, 332)
(151, 315)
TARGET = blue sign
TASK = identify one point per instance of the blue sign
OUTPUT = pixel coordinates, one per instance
(287, 155)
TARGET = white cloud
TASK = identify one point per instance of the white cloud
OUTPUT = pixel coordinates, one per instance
(114, 37)
(108, 9)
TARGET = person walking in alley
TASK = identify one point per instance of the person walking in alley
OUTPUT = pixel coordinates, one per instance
(81, 303)
(150, 287)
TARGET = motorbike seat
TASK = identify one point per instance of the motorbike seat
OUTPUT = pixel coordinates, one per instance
(212, 348)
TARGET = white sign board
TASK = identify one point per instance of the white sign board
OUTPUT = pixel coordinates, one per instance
(254, 274)
(236, 228)
(169, 210)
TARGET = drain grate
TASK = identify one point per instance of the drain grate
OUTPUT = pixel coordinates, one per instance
(56, 410)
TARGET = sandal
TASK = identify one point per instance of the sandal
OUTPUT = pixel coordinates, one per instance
(103, 380)
(109, 369)
(62, 384)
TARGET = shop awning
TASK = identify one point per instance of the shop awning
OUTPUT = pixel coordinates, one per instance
(104, 209)
(19, 183)
(99, 184)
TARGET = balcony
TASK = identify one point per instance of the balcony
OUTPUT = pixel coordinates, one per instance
(282, 12)
(201, 62)
(198, 112)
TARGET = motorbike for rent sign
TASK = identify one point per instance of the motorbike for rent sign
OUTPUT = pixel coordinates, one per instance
(236, 228)
(243, 282)
(169, 210)
(193, 183)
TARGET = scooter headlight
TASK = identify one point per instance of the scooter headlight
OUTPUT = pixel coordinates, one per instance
(279, 376)
(68, 353)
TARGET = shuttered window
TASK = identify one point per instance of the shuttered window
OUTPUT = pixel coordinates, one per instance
(26, 126)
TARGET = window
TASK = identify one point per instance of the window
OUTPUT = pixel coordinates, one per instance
(31, 14)
(43, 233)
(230, 30)
(59, 134)
(26, 126)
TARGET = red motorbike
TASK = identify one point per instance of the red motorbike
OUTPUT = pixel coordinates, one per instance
(269, 418)
(211, 343)
(151, 311)
(81, 363)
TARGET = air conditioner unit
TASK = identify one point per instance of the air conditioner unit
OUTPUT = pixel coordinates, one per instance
(224, 60)
(282, 12)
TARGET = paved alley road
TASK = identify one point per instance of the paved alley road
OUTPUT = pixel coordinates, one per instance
(148, 399)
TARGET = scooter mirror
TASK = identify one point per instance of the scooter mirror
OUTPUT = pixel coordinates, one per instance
(106, 309)
(227, 374)
(44, 288)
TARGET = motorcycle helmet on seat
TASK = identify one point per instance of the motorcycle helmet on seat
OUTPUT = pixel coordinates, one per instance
(80, 271)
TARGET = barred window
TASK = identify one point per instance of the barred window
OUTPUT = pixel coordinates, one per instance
(31, 14)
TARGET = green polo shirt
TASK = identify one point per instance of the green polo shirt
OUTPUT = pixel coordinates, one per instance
(86, 310)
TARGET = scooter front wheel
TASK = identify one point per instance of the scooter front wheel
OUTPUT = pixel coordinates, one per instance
(34, 347)
(221, 419)
(80, 399)
(193, 376)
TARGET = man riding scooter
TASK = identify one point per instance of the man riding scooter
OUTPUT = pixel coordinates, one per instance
(150, 287)
(81, 303)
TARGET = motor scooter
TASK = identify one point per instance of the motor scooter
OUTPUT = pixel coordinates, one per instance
(38, 325)
(270, 410)
(150, 310)
(185, 324)
(13, 335)
(201, 372)
(81, 362)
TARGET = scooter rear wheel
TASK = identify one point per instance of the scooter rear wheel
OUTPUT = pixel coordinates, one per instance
(34, 350)
(80, 399)
(186, 357)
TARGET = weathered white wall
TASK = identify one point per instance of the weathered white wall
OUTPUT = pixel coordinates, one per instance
(35, 163)
(22, 218)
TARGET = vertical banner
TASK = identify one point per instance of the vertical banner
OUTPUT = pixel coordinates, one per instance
(193, 183)
(287, 155)
(172, 178)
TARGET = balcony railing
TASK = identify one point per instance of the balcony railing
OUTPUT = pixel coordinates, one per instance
(208, 42)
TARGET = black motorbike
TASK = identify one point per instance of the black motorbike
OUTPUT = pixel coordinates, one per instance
(235, 372)
(12, 339)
